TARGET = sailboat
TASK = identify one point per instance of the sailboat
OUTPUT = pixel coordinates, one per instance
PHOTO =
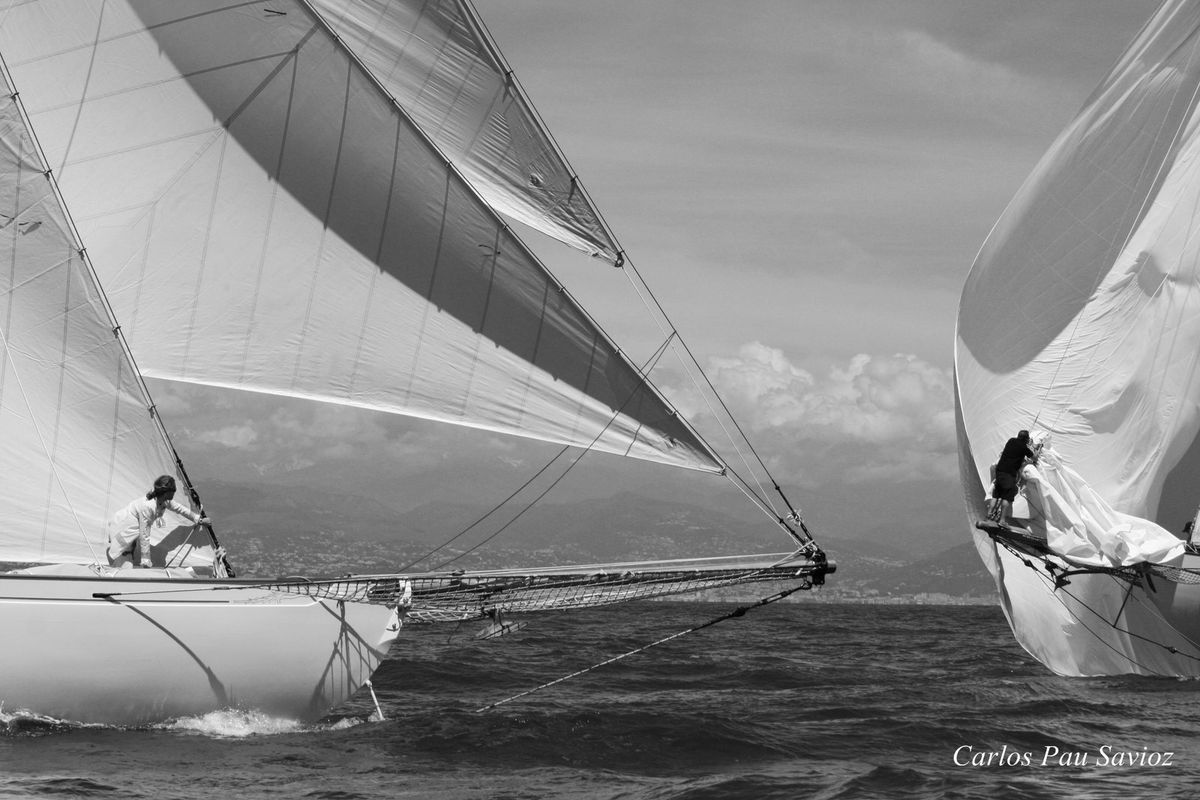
(1079, 324)
(304, 198)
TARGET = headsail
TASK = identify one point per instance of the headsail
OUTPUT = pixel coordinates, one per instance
(436, 59)
(1081, 318)
(79, 440)
(1082, 311)
(265, 217)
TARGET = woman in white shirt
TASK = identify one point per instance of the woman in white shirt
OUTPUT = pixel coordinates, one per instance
(131, 526)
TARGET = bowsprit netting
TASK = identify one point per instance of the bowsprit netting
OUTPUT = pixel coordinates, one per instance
(448, 597)
(458, 596)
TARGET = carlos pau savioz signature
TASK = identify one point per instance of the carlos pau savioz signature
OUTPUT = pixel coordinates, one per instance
(1051, 756)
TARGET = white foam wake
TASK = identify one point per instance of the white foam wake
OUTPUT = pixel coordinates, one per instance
(237, 724)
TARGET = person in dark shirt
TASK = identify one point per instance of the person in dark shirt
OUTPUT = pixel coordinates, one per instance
(1004, 486)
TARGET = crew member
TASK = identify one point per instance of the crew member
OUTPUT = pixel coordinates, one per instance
(1004, 486)
(131, 526)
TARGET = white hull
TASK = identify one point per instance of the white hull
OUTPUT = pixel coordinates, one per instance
(158, 649)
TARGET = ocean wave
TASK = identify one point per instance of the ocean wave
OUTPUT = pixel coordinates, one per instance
(239, 724)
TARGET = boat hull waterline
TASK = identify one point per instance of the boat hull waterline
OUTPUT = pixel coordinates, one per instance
(147, 650)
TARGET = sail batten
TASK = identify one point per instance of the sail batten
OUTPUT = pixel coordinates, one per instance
(327, 223)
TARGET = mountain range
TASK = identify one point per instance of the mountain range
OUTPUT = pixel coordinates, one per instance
(273, 530)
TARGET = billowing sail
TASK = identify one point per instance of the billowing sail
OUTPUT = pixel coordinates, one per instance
(79, 441)
(1081, 318)
(435, 59)
(1081, 310)
(263, 216)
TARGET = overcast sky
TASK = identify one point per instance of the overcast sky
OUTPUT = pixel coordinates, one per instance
(803, 183)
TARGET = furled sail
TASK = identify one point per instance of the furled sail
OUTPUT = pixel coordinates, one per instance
(78, 439)
(263, 216)
(1081, 318)
(436, 60)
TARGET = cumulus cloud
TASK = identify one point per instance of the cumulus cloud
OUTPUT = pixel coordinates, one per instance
(855, 421)
(239, 436)
(859, 420)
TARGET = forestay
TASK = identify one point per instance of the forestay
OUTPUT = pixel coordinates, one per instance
(264, 216)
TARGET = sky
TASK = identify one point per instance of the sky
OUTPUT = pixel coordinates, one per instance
(804, 186)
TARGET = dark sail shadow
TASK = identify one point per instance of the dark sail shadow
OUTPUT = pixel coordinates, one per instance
(321, 129)
(1065, 229)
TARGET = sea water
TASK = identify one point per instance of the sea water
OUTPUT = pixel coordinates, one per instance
(790, 701)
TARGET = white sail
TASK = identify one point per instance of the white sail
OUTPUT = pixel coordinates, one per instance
(1081, 318)
(79, 441)
(436, 60)
(263, 216)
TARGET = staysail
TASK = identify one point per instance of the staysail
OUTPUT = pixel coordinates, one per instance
(79, 436)
(243, 182)
(1081, 318)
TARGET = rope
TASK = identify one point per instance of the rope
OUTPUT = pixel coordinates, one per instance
(487, 514)
(760, 499)
(737, 612)
(1071, 611)
(649, 364)
(1057, 588)
(639, 286)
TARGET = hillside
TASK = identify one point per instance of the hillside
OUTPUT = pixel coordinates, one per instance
(273, 531)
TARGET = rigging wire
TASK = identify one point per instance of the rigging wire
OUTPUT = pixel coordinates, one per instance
(1055, 590)
(633, 270)
(653, 359)
(740, 611)
(622, 261)
(488, 513)
(485, 38)
(806, 542)
(760, 498)
(638, 286)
